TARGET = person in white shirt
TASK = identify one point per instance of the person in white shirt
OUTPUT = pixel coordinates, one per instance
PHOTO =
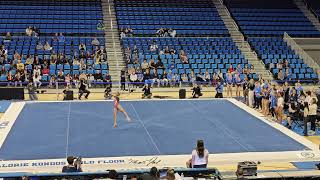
(36, 80)
(200, 156)
(312, 115)
(133, 78)
(153, 47)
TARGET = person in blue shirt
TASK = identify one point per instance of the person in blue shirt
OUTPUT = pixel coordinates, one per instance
(238, 82)
(257, 95)
(219, 89)
(273, 102)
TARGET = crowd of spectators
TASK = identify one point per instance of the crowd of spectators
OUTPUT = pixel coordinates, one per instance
(283, 103)
(22, 68)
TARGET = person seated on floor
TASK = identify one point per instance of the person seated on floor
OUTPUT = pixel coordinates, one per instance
(146, 91)
(196, 91)
(200, 156)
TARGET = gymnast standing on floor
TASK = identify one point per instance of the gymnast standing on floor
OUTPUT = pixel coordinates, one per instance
(116, 108)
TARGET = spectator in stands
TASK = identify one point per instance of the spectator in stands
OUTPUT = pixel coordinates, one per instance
(37, 70)
(172, 32)
(47, 46)
(8, 37)
(163, 79)
(122, 35)
(133, 77)
(83, 66)
(61, 38)
(200, 156)
(271, 66)
(252, 70)
(279, 66)
(9, 78)
(75, 80)
(32, 91)
(153, 175)
(184, 79)
(172, 66)
(68, 80)
(20, 66)
(17, 79)
(135, 51)
(39, 46)
(16, 56)
(128, 54)
(60, 77)
(144, 65)
(36, 79)
(153, 47)
(280, 75)
(152, 64)
(71, 167)
(29, 59)
(52, 81)
(183, 57)
(160, 32)
(45, 71)
(95, 42)
(55, 38)
(107, 79)
(98, 76)
(83, 90)
(159, 64)
(29, 31)
(82, 47)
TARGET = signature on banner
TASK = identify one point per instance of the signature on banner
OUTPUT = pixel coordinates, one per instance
(147, 162)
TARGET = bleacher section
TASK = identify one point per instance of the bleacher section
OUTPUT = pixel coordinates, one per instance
(70, 48)
(188, 17)
(76, 19)
(212, 54)
(70, 16)
(275, 50)
(270, 18)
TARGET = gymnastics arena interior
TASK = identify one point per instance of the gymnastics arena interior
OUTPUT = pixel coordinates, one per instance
(240, 76)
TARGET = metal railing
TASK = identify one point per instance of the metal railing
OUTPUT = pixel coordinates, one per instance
(302, 54)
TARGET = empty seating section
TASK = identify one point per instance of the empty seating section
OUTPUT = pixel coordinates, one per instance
(70, 48)
(210, 54)
(273, 51)
(53, 16)
(270, 18)
(188, 17)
